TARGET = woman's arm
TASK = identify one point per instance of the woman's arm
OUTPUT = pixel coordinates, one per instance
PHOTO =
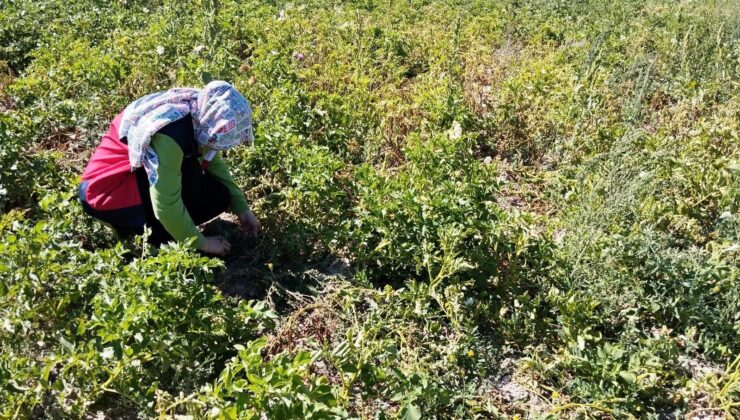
(249, 222)
(166, 193)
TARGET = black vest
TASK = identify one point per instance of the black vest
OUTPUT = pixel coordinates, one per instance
(182, 132)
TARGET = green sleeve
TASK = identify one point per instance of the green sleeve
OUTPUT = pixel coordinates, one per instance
(166, 199)
(218, 169)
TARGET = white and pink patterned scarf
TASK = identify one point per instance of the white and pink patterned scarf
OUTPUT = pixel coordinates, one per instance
(221, 117)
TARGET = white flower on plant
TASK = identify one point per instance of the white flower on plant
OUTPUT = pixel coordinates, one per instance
(107, 353)
(456, 131)
(160, 49)
(469, 301)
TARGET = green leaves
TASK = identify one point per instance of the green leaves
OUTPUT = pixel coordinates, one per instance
(411, 412)
(102, 324)
(406, 219)
(549, 191)
(251, 386)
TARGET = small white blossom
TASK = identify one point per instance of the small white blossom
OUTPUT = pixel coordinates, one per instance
(107, 353)
(456, 131)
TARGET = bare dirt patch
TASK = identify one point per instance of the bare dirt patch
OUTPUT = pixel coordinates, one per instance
(484, 73)
(314, 323)
(6, 78)
(71, 144)
(513, 392)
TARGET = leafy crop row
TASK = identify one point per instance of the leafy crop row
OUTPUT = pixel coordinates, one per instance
(470, 209)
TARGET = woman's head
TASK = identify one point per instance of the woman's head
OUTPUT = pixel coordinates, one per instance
(222, 117)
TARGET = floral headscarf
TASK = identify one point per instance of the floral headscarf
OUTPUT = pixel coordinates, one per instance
(221, 116)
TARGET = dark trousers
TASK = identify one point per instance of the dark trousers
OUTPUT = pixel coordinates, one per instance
(204, 197)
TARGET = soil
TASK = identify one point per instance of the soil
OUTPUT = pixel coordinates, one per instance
(71, 144)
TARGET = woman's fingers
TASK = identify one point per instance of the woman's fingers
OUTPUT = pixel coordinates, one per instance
(250, 225)
(216, 245)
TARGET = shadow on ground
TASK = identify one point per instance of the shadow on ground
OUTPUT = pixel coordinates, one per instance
(250, 273)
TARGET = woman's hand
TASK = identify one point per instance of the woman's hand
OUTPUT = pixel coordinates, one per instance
(216, 245)
(249, 223)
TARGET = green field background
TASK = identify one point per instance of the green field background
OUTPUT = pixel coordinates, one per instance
(470, 209)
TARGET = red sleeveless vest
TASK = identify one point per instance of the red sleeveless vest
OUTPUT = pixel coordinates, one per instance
(110, 184)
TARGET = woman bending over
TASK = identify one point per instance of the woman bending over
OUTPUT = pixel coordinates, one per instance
(159, 166)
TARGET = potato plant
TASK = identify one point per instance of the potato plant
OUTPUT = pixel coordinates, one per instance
(481, 209)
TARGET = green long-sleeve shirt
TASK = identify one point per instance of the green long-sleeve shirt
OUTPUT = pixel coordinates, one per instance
(166, 193)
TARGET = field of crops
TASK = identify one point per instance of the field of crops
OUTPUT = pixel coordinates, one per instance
(481, 208)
